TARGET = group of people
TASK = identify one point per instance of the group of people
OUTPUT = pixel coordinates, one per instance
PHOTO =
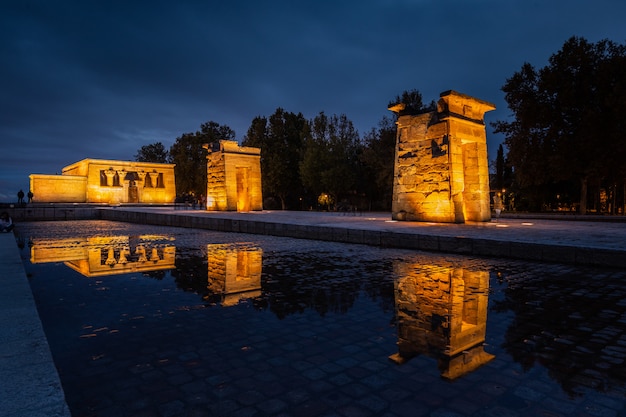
(20, 197)
(6, 222)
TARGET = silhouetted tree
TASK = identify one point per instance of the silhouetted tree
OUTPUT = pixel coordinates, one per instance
(378, 158)
(567, 124)
(413, 103)
(190, 157)
(154, 152)
(499, 182)
(330, 157)
(280, 140)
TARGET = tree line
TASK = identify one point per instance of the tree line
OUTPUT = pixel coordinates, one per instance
(321, 163)
(564, 144)
(566, 139)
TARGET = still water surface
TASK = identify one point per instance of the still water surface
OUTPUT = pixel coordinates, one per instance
(159, 321)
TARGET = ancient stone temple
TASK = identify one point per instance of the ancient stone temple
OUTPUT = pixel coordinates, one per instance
(233, 177)
(107, 181)
(441, 171)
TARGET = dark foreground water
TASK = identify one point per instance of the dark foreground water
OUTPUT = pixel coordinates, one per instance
(157, 321)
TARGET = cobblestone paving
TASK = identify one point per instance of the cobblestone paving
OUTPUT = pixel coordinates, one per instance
(316, 338)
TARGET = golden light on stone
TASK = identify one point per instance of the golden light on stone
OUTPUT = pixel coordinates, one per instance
(234, 272)
(100, 256)
(233, 177)
(442, 313)
(107, 181)
(441, 171)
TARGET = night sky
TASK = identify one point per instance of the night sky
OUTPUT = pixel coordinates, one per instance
(101, 78)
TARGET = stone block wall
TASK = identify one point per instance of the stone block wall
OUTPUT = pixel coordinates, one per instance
(216, 183)
(441, 171)
(233, 177)
(58, 188)
(107, 181)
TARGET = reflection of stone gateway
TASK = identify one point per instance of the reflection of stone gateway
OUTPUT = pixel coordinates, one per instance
(234, 272)
(442, 312)
(441, 170)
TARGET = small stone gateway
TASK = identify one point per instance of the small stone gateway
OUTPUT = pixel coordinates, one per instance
(441, 171)
(233, 177)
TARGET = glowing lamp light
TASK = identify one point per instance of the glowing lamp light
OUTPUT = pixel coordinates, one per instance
(210, 202)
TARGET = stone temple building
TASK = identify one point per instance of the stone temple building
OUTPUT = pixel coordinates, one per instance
(441, 171)
(107, 181)
(233, 177)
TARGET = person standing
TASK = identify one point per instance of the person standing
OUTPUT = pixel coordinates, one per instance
(30, 196)
(6, 223)
(497, 204)
(20, 197)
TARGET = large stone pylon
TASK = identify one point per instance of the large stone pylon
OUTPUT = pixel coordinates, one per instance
(441, 171)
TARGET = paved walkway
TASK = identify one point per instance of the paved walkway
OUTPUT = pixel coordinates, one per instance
(29, 383)
(597, 243)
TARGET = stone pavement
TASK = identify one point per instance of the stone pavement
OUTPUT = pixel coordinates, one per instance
(580, 242)
(29, 383)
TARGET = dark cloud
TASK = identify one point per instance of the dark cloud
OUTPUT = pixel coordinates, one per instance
(100, 79)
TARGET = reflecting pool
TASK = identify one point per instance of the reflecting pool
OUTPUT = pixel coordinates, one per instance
(159, 321)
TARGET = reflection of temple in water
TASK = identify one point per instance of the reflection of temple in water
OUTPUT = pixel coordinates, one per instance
(234, 272)
(442, 313)
(109, 255)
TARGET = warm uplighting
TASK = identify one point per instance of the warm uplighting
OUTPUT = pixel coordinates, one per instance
(106, 181)
(234, 272)
(99, 256)
(449, 328)
(441, 169)
(233, 177)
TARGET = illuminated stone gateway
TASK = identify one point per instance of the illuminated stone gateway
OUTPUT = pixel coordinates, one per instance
(107, 181)
(441, 171)
(233, 177)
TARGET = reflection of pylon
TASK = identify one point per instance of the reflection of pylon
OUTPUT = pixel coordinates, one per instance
(442, 312)
(234, 272)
